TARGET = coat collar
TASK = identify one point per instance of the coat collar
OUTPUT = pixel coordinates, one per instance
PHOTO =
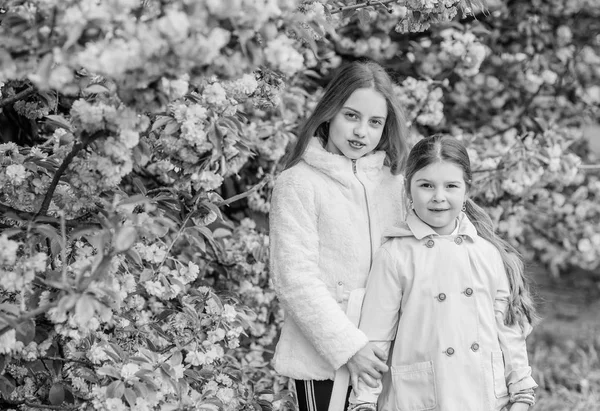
(339, 167)
(415, 227)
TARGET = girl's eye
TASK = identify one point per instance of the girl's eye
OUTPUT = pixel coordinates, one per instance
(351, 115)
(425, 185)
(377, 123)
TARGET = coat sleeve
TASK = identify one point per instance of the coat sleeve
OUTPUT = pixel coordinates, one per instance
(383, 297)
(294, 265)
(512, 341)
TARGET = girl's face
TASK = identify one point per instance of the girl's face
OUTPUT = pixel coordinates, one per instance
(438, 192)
(357, 128)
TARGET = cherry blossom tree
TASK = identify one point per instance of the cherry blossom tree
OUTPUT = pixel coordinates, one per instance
(140, 140)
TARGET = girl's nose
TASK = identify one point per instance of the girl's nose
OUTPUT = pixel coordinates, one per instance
(360, 130)
(438, 196)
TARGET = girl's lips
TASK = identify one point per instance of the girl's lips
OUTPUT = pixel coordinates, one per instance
(356, 144)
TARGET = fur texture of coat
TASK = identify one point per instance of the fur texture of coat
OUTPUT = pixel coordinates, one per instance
(326, 221)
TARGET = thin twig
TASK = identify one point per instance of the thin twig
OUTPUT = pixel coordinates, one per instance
(63, 246)
(59, 172)
(589, 167)
(50, 407)
(19, 96)
(361, 5)
(242, 195)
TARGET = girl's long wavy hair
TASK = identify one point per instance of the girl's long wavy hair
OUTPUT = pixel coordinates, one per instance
(348, 78)
(438, 148)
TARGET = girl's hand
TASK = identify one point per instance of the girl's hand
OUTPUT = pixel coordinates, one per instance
(368, 364)
(519, 406)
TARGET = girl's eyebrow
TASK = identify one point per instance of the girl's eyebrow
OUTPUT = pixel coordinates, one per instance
(358, 112)
(445, 182)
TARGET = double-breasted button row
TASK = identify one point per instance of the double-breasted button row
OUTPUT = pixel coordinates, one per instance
(450, 351)
(430, 243)
(442, 296)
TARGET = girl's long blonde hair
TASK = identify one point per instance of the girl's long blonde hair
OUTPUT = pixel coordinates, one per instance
(439, 148)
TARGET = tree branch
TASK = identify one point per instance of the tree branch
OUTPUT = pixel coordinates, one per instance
(19, 96)
(63, 167)
(24, 215)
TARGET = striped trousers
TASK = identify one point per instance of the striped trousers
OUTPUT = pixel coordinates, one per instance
(314, 395)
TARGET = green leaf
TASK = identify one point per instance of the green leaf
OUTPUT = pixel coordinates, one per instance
(161, 121)
(135, 200)
(96, 89)
(135, 256)
(116, 389)
(171, 127)
(130, 396)
(25, 332)
(59, 121)
(84, 309)
(7, 386)
(124, 238)
(364, 17)
(56, 396)
(42, 76)
(140, 185)
(74, 33)
(108, 370)
(48, 231)
(176, 358)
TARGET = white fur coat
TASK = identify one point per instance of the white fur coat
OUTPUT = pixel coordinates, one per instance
(325, 225)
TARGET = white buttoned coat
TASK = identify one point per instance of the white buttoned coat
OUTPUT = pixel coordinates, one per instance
(326, 220)
(443, 299)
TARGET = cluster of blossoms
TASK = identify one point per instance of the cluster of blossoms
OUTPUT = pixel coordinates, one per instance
(421, 14)
(531, 167)
(462, 50)
(377, 47)
(17, 269)
(281, 55)
(421, 100)
(117, 133)
(20, 187)
(457, 51)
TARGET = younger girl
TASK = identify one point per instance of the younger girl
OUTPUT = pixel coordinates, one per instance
(340, 187)
(452, 296)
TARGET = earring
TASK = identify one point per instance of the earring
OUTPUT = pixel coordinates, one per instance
(464, 207)
(410, 205)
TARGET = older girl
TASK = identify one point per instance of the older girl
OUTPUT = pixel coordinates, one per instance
(340, 187)
(451, 294)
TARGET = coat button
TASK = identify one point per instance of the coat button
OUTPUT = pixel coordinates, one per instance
(469, 292)
(458, 240)
(474, 346)
(429, 243)
(449, 351)
(340, 283)
(441, 297)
